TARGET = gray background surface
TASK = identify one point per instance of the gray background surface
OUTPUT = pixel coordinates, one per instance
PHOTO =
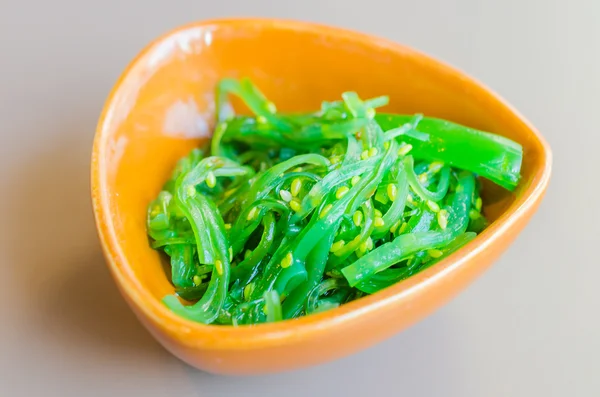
(528, 327)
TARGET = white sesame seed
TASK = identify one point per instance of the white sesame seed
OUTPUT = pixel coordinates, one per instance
(392, 191)
(337, 245)
(442, 218)
(211, 180)
(295, 205)
(248, 289)
(287, 260)
(436, 166)
(404, 149)
(341, 192)
(285, 195)
(219, 267)
(357, 218)
(191, 191)
(395, 226)
(478, 204)
(296, 186)
(433, 206)
(403, 228)
(473, 214)
(252, 213)
(325, 210)
(434, 253)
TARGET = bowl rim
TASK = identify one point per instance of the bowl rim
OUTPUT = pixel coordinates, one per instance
(273, 334)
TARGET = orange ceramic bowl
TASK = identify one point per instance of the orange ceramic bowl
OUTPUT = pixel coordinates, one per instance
(162, 106)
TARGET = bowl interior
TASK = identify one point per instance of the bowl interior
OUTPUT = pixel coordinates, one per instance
(163, 107)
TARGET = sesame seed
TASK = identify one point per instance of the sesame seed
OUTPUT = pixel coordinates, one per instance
(355, 180)
(335, 159)
(378, 222)
(261, 120)
(252, 213)
(392, 191)
(341, 192)
(436, 166)
(219, 267)
(433, 206)
(271, 107)
(227, 226)
(473, 214)
(337, 245)
(191, 191)
(442, 219)
(403, 228)
(325, 210)
(373, 152)
(287, 260)
(404, 149)
(296, 186)
(423, 178)
(295, 205)
(285, 195)
(197, 280)
(378, 213)
(435, 253)
(211, 180)
(478, 204)
(230, 254)
(386, 145)
(357, 218)
(155, 211)
(369, 243)
(364, 155)
(248, 290)
(395, 226)
(370, 113)
(298, 169)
